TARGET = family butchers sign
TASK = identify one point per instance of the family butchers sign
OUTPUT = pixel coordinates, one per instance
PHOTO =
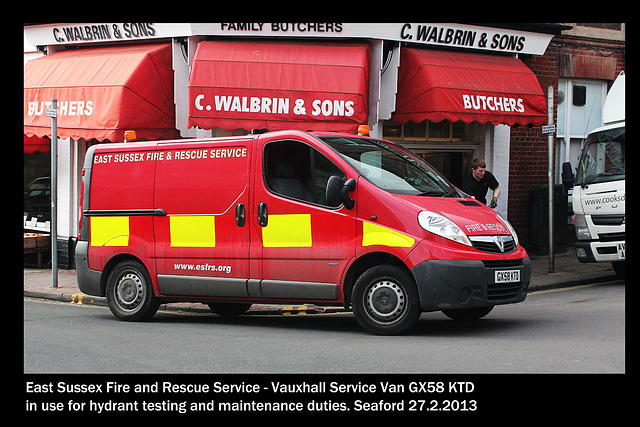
(436, 34)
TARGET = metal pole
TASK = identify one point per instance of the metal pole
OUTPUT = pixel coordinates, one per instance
(550, 178)
(54, 194)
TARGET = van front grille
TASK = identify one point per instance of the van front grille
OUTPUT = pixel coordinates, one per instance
(494, 244)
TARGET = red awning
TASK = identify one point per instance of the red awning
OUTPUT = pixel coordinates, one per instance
(102, 92)
(253, 85)
(437, 85)
(35, 143)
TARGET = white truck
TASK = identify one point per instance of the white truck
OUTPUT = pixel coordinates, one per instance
(598, 187)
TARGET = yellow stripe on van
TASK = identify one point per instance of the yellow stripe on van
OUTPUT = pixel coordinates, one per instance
(193, 231)
(287, 231)
(373, 234)
(109, 230)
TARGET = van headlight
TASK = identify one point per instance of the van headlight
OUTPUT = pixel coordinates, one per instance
(442, 226)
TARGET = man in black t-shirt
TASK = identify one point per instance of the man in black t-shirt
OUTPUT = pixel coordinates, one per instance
(478, 181)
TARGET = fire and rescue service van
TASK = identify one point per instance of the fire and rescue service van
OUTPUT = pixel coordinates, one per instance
(290, 217)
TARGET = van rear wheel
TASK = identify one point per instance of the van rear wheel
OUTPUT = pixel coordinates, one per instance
(130, 292)
(385, 300)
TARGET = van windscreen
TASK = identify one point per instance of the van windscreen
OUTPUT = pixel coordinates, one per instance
(391, 168)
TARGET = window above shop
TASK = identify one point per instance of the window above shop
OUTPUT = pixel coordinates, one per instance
(428, 131)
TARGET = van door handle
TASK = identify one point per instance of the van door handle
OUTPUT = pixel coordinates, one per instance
(263, 217)
(240, 215)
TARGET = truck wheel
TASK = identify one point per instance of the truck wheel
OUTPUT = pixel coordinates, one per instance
(468, 313)
(130, 293)
(385, 300)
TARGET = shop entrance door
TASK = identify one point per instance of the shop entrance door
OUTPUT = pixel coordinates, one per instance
(452, 164)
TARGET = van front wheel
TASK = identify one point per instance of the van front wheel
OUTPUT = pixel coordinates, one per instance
(385, 300)
(130, 292)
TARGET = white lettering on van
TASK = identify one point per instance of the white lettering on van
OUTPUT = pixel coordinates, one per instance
(189, 154)
(220, 153)
(128, 157)
(104, 158)
(486, 227)
(155, 155)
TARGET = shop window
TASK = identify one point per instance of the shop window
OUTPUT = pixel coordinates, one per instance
(428, 131)
(447, 146)
(297, 171)
(415, 131)
(580, 105)
(579, 95)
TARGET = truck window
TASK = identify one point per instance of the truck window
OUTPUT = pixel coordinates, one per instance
(603, 157)
(298, 171)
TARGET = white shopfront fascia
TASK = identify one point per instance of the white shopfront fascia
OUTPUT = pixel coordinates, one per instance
(452, 35)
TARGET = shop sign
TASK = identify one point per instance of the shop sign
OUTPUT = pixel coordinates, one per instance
(102, 32)
(436, 34)
(475, 37)
(451, 35)
(62, 34)
(65, 108)
(211, 107)
(273, 105)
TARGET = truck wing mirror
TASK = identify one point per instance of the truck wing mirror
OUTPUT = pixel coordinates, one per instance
(567, 177)
(338, 192)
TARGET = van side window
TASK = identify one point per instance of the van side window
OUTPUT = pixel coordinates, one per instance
(298, 171)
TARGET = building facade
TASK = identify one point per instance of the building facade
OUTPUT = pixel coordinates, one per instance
(580, 64)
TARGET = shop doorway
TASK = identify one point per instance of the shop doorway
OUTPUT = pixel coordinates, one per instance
(452, 164)
(447, 146)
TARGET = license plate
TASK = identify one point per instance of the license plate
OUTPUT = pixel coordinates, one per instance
(622, 247)
(507, 276)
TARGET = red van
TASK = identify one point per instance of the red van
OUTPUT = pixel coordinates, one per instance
(290, 217)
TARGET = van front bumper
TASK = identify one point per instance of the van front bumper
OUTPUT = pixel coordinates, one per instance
(450, 285)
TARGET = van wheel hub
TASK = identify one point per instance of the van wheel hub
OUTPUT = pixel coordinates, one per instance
(386, 300)
(130, 290)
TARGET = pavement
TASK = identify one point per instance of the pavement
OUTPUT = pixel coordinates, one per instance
(567, 272)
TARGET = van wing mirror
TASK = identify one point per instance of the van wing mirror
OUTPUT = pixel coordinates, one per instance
(567, 177)
(337, 192)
